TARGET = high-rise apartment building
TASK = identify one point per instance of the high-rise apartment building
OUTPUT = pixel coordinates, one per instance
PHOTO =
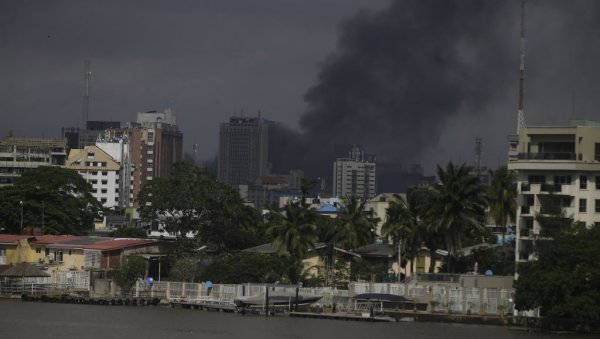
(563, 162)
(243, 150)
(354, 175)
(156, 144)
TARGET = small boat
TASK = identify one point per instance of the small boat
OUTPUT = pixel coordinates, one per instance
(276, 299)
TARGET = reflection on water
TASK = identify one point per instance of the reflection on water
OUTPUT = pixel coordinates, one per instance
(44, 320)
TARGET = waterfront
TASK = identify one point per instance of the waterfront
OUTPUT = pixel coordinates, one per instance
(69, 321)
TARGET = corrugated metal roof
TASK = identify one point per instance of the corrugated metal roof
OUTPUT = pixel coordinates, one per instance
(13, 238)
(116, 244)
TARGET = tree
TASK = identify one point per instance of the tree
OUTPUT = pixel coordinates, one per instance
(239, 268)
(132, 269)
(293, 230)
(400, 225)
(457, 204)
(354, 227)
(129, 232)
(565, 280)
(53, 198)
(193, 202)
(502, 198)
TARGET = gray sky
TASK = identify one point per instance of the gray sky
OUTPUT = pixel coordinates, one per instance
(211, 59)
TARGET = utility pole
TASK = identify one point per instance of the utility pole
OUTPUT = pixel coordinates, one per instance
(21, 202)
(521, 112)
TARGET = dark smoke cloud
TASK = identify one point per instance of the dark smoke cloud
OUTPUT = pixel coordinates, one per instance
(400, 74)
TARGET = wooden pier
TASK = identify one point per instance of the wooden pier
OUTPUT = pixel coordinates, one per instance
(204, 303)
(76, 299)
(343, 316)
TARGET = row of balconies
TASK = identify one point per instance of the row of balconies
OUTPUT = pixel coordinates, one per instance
(550, 156)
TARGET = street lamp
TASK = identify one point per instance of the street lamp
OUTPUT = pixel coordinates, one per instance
(21, 202)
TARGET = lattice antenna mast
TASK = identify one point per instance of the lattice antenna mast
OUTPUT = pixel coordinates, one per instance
(478, 151)
(521, 112)
(85, 108)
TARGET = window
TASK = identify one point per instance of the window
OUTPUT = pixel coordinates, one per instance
(47, 252)
(104, 173)
(597, 206)
(582, 205)
(103, 200)
(59, 256)
(598, 183)
(38, 250)
(104, 182)
(537, 179)
(69, 252)
(562, 179)
(104, 190)
(583, 182)
(94, 173)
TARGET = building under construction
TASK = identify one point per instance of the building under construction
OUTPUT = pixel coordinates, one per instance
(17, 155)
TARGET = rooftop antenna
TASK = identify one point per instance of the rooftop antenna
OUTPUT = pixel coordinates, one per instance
(521, 113)
(478, 149)
(195, 151)
(85, 109)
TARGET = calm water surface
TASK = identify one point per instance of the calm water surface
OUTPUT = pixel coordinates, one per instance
(67, 321)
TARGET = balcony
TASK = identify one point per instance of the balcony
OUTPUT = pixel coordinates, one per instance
(525, 232)
(548, 156)
(551, 188)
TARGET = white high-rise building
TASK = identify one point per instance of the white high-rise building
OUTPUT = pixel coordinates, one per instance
(563, 161)
(354, 175)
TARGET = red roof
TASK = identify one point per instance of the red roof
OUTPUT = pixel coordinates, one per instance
(77, 242)
(53, 239)
(13, 238)
(117, 244)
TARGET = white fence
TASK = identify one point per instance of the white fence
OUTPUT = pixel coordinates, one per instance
(445, 297)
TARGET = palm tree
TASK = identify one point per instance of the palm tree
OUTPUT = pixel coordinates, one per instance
(354, 226)
(400, 226)
(294, 230)
(502, 198)
(457, 205)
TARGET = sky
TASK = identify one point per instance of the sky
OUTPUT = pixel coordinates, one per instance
(412, 81)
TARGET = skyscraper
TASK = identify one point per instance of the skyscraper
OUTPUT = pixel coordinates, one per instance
(243, 150)
(354, 175)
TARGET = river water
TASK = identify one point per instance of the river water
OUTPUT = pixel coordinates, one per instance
(30, 320)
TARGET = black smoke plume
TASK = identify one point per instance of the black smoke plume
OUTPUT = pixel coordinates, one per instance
(400, 75)
(397, 76)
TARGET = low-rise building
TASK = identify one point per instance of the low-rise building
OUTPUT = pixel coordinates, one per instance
(18, 155)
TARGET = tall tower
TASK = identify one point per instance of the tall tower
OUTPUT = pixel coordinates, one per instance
(521, 112)
(478, 151)
(243, 150)
(85, 109)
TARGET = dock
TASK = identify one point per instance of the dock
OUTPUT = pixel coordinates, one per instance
(343, 316)
(204, 303)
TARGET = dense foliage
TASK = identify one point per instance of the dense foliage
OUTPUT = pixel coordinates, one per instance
(236, 268)
(55, 199)
(132, 269)
(193, 202)
(565, 280)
